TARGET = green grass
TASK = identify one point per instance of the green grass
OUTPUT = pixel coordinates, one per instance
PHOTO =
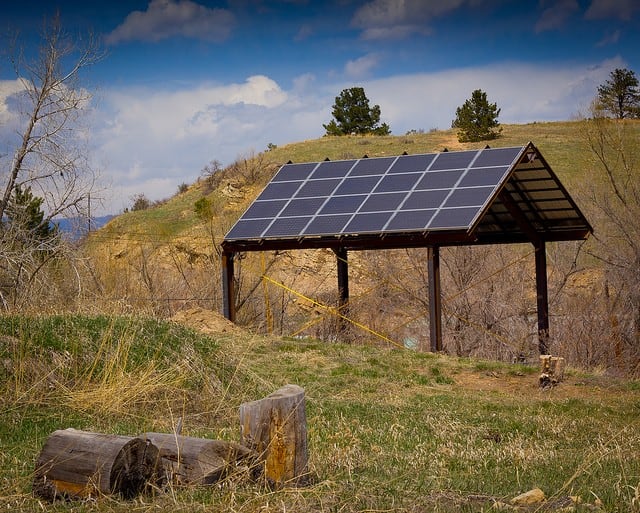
(389, 430)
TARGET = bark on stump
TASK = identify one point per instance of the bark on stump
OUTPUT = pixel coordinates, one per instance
(551, 370)
(195, 461)
(276, 429)
(80, 464)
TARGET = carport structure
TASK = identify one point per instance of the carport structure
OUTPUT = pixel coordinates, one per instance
(433, 200)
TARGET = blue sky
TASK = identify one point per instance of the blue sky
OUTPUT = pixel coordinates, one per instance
(184, 82)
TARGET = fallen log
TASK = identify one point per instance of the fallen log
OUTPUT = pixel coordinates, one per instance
(194, 461)
(80, 464)
(276, 429)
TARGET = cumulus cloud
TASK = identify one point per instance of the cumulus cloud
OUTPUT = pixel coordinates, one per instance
(8, 88)
(150, 142)
(359, 68)
(386, 19)
(618, 9)
(556, 15)
(164, 19)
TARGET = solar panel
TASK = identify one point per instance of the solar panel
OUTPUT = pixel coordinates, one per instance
(407, 193)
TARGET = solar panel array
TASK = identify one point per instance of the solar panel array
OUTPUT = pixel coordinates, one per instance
(408, 193)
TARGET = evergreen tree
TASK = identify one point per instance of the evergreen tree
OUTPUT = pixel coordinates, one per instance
(24, 216)
(477, 119)
(352, 115)
(619, 95)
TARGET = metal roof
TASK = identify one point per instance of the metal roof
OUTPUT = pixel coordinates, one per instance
(486, 196)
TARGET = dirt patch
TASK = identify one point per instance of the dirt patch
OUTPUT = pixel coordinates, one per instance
(206, 321)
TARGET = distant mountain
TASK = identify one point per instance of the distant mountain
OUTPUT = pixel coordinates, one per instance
(77, 227)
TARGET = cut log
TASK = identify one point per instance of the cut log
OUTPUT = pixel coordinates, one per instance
(193, 461)
(276, 429)
(551, 370)
(80, 464)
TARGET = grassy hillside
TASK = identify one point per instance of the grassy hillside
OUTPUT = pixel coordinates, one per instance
(389, 430)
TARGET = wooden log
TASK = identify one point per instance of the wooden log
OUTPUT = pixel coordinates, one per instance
(551, 370)
(276, 429)
(80, 464)
(193, 461)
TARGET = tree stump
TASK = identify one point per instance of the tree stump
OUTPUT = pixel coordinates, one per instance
(80, 464)
(551, 370)
(276, 429)
(194, 461)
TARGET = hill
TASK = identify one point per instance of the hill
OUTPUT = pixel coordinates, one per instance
(388, 430)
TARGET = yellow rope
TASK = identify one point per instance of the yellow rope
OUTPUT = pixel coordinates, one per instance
(333, 311)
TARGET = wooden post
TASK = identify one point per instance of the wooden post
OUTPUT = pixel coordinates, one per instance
(79, 464)
(193, 461)
(276, 428)
(435, 302)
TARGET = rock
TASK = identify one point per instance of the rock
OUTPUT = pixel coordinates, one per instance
(535, 496)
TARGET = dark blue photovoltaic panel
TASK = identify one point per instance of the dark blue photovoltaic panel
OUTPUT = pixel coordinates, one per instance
(483, 176)
(410, 220)
(412, 163)
(453, 218)
(264, 209)
(404, 182)
(318, 188)
(473, 197)
(279, 190)
(372, 166)
(362, 185)
(436, 191)
(294, 172)
(372, 222)
(383, 202)
(497, 157)
(329, 169)
(301, 207)
(248, 229)
(439, 179)
(425, 199)
(343, 204)
(287, 226)
(453, 160)
(327, 225)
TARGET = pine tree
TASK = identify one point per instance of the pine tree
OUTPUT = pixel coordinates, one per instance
(619, 95)
(352, 115)
(477, 119)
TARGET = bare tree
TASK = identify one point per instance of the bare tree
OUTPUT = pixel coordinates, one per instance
(50, 157)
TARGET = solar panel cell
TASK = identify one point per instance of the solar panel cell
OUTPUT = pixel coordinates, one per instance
(475, 196)
(294, 172)
(496, 157)
(332, 169)
(366, 223)
(375, 166)
(425, 199)
(287, 227)
(264, 209)
(410, 220)
(452, 218)
(382, 202)
(453, 160)
(314, 188)
(327, 225)
(483, 176)
(361, 185)
(301, 207)
(279, 190)
(248, 229)
(403, 182)
(440, 179)
(343, 204)
(411, 163)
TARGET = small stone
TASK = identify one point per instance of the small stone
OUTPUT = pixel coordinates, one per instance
(534, 496)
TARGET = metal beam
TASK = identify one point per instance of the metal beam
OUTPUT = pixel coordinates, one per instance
(542, 297)
(343, 276)
(435, 304)
(228, 291)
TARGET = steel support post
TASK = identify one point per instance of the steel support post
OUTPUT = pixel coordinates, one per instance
(228, 292)
(542, 296)
(435, 305)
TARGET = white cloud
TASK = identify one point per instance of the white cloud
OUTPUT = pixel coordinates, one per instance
(168, 18)
(361, 67)
(8, 88)
(619, 9)
(556, 15)
(153, 141)
(394, 19)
